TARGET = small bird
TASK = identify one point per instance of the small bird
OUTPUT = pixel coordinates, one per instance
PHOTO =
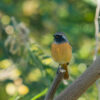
(61, 51)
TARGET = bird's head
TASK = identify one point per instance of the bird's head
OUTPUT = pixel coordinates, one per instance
(60, 37)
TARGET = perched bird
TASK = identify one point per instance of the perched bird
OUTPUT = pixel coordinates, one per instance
(61, 51)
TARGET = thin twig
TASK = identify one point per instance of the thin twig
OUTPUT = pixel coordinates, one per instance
(96, 29)
(97, 40)
(55, 84)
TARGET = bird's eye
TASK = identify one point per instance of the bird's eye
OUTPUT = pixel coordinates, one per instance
(56, 36)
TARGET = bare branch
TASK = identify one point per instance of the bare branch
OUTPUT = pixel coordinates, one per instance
(77, 88)
(55, 84)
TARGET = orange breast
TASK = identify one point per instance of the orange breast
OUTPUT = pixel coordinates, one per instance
(61, 53)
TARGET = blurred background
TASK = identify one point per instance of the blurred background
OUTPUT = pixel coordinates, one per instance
(26, 34)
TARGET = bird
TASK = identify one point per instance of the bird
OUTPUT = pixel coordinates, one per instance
(61, 51)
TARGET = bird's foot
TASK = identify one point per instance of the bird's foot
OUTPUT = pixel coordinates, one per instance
(58, 69)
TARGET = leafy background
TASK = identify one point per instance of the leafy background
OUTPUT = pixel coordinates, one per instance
(26, 34)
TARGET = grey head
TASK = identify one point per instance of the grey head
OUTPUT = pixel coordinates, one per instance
(60, 37)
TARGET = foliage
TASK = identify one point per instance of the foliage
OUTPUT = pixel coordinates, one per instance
(26, 34)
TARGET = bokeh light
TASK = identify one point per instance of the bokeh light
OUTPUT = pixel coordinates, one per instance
(11, 89)
(23, 89)
(9, 29)
(16, 73)
(5, 63)
(18, 81)
(30, 7)
(47, 61)
(34, 75)
(5, 19)
(82, 67)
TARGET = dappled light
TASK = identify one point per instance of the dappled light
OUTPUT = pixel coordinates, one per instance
(26, 34)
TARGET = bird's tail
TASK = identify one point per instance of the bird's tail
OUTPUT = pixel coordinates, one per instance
(65, 66)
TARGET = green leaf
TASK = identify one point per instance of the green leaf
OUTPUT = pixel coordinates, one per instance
(40, 94)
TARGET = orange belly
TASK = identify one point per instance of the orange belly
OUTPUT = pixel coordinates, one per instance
(61, 53)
